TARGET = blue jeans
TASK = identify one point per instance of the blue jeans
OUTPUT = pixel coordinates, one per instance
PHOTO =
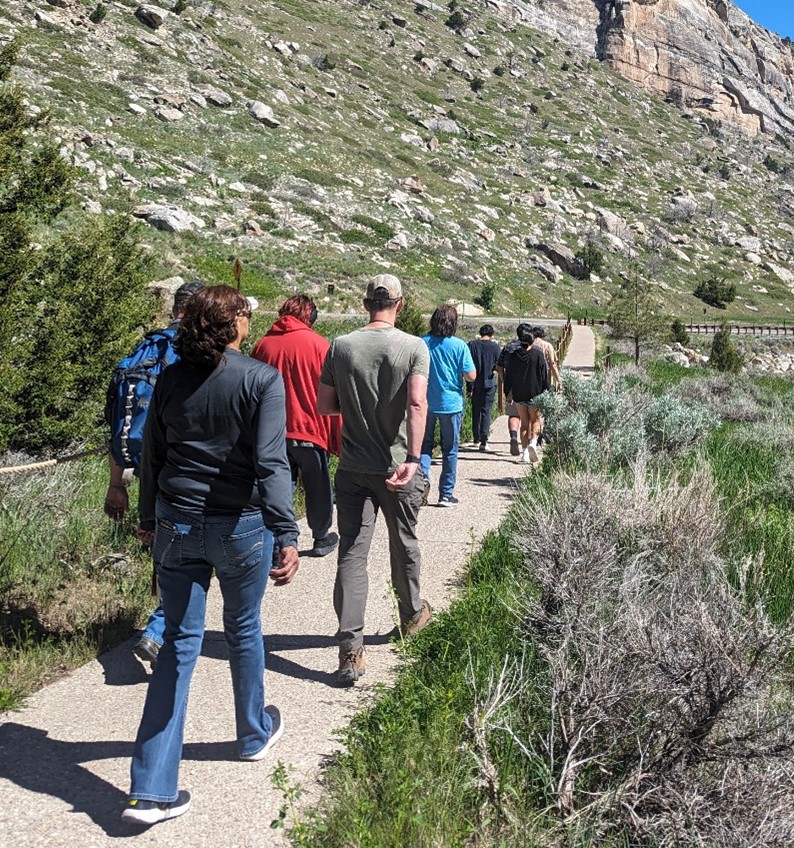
(449, 423)
(186, 549)
(155, 626)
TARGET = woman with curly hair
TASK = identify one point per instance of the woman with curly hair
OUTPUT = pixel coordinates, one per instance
(216, 495)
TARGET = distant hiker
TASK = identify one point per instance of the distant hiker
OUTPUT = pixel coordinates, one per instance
(216, 494)
(298, 353)
(376, 377)
(128, 398)
(450, 365)
(526, 377)
(539, 334)
(511, 409)
(484, 353)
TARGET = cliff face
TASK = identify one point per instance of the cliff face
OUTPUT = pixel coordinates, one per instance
(706, 55)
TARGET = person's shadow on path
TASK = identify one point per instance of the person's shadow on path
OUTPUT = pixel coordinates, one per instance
(30, 758)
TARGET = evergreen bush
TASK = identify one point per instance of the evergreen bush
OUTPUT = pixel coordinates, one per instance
(410, 319)
(724, 356)
(678, 332)
(716, 291)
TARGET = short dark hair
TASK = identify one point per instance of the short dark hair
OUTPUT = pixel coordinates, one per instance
(300, 306)
(183, 294)
(538, 332)
(520, 329)
(486, 330)
(525, 335)
(444, 321)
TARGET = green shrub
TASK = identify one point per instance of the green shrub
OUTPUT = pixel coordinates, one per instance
(724, 356)
(84, 312)
(487, 296)
(179, 7)
(457, 21)
(477, 84)
(678, 332)
(98, 14)
(410, 319)
(716, 291)
(591, 260)
(384, 230)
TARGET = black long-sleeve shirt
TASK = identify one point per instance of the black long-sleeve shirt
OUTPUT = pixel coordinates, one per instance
(215, 444)
(526, 373)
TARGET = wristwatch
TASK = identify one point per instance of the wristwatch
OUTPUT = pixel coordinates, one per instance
(412, 458)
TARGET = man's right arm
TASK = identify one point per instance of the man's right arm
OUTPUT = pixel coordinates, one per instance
(416, 416)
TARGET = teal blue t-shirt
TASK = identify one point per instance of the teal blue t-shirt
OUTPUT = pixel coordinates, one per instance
(450, 359)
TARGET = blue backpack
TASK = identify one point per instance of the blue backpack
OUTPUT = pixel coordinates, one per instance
(130, 393)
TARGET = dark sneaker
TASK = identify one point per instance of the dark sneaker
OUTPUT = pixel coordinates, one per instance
(419, 622)
(151, 812)
(351, 666)
(275, 734)
(426, 492)
(515, 449)
(146, 650)
(448, 500)
(483, 447)
(323, 547)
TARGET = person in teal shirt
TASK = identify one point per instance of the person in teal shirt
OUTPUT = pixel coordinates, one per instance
(450, 364)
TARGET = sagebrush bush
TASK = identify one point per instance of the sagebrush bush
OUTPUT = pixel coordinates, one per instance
(610, 420)
(670, 716)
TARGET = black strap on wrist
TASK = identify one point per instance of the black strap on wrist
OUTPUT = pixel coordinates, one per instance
(412, 458)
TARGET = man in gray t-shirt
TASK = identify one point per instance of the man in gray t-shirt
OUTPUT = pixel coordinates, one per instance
(376, 378)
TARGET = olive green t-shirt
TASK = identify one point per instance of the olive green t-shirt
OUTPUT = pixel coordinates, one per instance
(369, 370)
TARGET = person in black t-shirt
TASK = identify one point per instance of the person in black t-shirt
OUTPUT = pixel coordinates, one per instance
(485, 353)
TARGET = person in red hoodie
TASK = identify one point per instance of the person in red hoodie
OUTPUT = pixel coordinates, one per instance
(298, 353)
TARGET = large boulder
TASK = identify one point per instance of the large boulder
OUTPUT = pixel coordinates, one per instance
(170, 219)
(560, 254)
(262, 113)
(152, 16)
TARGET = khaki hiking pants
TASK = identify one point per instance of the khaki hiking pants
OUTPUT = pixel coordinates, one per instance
(359, 497)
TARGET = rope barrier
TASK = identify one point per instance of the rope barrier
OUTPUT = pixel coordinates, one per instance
(50, 463)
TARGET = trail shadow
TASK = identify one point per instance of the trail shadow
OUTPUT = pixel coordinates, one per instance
(509, 484)
(32, 759)
(276, 644)
(121, 667)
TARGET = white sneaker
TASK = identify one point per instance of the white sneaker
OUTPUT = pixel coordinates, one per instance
(525, 455)
(277, 729)
(532, 453)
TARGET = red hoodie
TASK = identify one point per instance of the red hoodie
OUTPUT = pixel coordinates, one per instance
(298, 353)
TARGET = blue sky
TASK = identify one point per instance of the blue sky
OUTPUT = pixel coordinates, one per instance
(777, 15)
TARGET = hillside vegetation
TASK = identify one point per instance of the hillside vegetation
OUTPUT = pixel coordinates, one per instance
(443, 142)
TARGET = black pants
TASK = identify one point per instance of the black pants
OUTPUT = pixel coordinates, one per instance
(481, 405)
(310, 463)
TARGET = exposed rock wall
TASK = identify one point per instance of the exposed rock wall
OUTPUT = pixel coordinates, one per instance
(706, 55)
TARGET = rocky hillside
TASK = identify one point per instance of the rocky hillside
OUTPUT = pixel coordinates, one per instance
(457, 146)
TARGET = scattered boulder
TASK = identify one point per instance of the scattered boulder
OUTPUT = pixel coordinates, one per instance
(216, 97)
(152, 16)
(560, 254)
(168, 114)
(439, 125)
(169, 219)
(262, 113)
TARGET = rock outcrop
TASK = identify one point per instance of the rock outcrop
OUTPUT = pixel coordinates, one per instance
(708, 56)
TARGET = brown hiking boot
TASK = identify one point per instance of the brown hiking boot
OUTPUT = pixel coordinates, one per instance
(418, 622)
(352, 665)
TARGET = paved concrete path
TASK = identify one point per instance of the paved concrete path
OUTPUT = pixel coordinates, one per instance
(64, 758)
(581, 351)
